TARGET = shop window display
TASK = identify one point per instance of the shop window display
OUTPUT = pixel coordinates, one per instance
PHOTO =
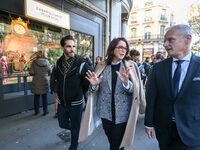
(21, 39)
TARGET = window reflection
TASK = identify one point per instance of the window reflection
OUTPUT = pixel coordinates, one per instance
(20, 50)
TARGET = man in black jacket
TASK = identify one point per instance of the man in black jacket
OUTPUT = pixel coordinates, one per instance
(71, 85)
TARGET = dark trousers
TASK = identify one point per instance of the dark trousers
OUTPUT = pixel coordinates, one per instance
(36, 102)
(172, 141)
(114, 133)
(69, 117)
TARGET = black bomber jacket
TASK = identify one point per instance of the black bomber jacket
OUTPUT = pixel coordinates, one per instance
(71, 87)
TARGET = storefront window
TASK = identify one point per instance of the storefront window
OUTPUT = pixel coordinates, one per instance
(84, 44)
(18, 46)
(147, 53)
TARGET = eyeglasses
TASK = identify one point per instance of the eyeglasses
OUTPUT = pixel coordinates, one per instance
(122, 47)
(70, 46)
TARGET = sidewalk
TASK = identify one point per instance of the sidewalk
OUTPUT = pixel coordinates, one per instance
(25, 131)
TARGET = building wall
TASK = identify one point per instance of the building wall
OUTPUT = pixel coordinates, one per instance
(84, 18)
(81, 20)
(154, 19)
(115, 20)
(119, 14)
(102, 24)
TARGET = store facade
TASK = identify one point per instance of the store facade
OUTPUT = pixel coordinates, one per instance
(22, 35)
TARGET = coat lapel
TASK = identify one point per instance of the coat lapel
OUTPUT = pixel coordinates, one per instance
(102, 66)
(108, 76)
(168, 69)
(118, 80)
(137, 103)
(190, 72)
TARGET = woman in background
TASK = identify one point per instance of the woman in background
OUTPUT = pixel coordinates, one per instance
(4, 68)
(40, 70)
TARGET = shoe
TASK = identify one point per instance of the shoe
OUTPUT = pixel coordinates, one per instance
(65, 135)
(56, 115)
(36, 113)
(45, 113)
(73, 147)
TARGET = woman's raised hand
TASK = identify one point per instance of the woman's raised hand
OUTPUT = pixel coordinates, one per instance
(123, 75)
(92, 78)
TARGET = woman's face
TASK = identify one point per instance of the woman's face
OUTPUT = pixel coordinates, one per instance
(120, 51)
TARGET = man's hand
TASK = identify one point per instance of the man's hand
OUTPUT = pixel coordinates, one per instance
(150, 132)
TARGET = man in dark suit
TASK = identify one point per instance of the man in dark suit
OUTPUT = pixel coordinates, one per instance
(173, 94)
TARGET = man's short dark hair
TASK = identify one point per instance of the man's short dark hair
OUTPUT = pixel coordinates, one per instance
(68, 37)
(159, 56)
(134, 52)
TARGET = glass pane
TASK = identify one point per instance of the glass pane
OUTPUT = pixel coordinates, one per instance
(100, 4)
(133, 32)
(84, 44)
(18, 47)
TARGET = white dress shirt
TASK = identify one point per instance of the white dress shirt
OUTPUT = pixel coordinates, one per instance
(184, 67)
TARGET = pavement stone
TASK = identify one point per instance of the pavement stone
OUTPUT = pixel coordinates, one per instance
(25, 131)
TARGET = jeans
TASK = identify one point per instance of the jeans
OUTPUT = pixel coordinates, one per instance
(44, 102)
(114, 133)
(69, 117)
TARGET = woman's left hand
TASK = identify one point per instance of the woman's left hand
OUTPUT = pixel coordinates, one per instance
(123, 75)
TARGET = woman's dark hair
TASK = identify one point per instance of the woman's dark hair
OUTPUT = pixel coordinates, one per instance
(111, 48)
(68, 37)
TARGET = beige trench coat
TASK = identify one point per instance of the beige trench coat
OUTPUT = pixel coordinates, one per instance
(89, 122)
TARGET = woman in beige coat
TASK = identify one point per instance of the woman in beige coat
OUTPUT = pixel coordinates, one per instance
(119, 94)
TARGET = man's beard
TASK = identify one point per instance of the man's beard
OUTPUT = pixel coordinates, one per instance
(71, 54)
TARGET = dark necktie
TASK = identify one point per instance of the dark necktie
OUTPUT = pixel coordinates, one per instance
(176, 78)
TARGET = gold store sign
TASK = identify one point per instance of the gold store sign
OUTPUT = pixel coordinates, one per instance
(42, 12)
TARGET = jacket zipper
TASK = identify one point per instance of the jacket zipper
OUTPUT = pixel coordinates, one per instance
(64, 76)
(64, 91)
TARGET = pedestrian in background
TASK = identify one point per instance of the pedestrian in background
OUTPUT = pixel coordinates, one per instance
(4, 68)
(119, 93)
(97, 60)
(172, 93)
(70, 74)
(152, 60)
(158, 57)
(40, 70)
(146, 66)
(135, 56)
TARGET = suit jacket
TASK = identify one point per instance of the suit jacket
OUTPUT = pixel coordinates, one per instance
(186, 105)
(138, 103)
